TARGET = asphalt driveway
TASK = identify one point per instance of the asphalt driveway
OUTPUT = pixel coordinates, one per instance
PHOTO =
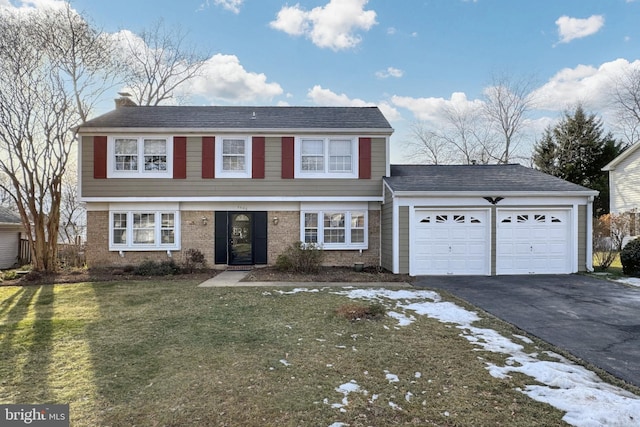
(595, 320)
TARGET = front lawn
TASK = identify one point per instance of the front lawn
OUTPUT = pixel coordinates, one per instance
(166, 353)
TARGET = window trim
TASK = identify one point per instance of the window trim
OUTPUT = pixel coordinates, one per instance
(157, 245)
(140, 173)
(326, 173)
(219, 161)
(348, 245)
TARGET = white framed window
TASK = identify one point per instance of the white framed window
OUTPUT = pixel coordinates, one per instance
(326, 157)
(233, 157)
(335, 228)
(139, 157)
(143, 230)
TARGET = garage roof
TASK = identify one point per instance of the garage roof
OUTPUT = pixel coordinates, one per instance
(8, 217)
(510, 178)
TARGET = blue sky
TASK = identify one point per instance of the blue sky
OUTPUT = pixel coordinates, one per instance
(409, 57)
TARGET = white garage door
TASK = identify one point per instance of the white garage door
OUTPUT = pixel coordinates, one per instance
(450, 242)
(533, 242)
(8, 248)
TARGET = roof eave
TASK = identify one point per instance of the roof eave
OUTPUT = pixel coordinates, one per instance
(484, 193)
(196, 131)
(615, 162)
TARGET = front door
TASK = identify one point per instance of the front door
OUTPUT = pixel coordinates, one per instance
(240, 238)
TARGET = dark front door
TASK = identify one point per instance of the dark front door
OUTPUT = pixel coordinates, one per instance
(240, 238)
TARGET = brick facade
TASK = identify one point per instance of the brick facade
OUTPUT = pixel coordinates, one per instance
(196, 235)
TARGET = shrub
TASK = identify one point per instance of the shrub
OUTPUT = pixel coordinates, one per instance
(301, 258)
(630, 258)
(194, 259)
(604, 247)
(153, 268)
(355, 312)
(10, 275)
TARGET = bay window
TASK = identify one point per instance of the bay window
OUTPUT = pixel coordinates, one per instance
(335, 229)
(143, 230)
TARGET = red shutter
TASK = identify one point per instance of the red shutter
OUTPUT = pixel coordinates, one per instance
(364, 160)
(179, 157)
(100, 157)
(208, 156)
(257, 157)
(288, 157)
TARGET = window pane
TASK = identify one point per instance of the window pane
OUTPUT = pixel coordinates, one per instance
(144, 228)
(333, 236)
(119, 228)
(312, 155)
(340, 155)
(155, 155)
(312, 146)
(233, 146)
(311, 228)
(233, 163)
(312, 163)
(334, 220)
(357, 236)
(167, 220)
(126, 146)
(167, 231)
(357, 219)
(167, 236)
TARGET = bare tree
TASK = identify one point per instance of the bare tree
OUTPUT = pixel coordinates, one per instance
(507, 102)
(626, 98)
(462, 136)
(41, 102)
(427, 146)
(158, 62)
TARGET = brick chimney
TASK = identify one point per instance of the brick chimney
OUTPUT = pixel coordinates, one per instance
(124, 100)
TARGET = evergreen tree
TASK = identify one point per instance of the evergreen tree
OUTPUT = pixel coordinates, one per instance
(576, 149)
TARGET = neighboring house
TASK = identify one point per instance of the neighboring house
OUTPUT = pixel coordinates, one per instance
(484, 219)
(10, 229)
(624, 185)
(241, 184)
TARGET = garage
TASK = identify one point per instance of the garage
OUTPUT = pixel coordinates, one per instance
(533, 242)
(484, 220)
(451, 242)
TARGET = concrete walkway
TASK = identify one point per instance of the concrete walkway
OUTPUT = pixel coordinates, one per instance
(234, 279)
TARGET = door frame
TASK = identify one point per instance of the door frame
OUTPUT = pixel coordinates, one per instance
(222, 235)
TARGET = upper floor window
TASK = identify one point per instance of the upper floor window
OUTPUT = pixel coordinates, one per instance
(318, 157)
(233, 157)
(139, 157)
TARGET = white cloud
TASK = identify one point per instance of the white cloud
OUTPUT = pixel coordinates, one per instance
(584, 84)
(576, 28)
(224, 78)
(332, 26)
(230, 5)
(432, 109)
(389, 72)
(325, 97)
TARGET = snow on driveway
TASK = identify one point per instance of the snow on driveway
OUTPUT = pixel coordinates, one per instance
(587, 400)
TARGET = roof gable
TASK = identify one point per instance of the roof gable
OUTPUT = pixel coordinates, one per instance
(621, 157)
(224, 117)
(477, 178)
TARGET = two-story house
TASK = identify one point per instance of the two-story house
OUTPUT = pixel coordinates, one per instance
(624, 186)
(241, 184)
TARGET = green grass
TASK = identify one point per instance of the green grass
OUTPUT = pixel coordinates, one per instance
(167, 353)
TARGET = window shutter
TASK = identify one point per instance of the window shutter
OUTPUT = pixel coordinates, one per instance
(208, 154)
(257, 157)
(179, 157)
(288, 157)
(100, 157)
(364, 158)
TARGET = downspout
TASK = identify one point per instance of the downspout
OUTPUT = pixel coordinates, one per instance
(589, 219)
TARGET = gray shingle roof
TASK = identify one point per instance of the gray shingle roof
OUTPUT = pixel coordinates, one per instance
(492, 179)
(8, 217)
(225, 117)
